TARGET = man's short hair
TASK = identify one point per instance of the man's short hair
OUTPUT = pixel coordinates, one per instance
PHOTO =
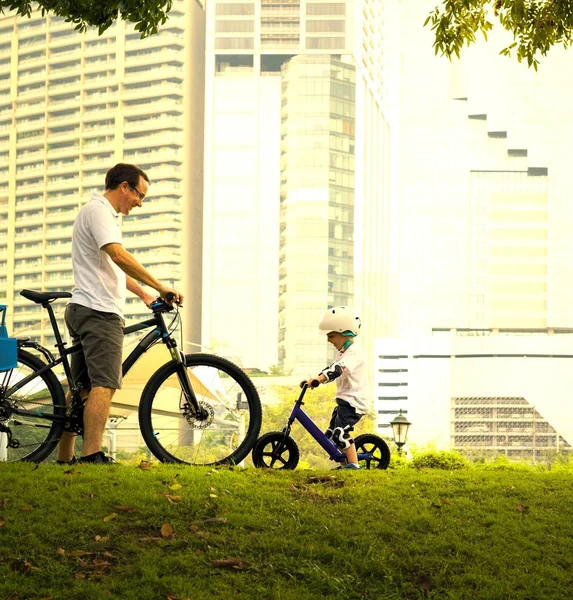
(124, 172)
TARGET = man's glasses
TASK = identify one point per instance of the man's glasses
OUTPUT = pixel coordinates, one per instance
(141, 196)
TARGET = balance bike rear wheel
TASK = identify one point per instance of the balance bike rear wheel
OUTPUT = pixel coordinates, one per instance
(376, 448)
(274, 451)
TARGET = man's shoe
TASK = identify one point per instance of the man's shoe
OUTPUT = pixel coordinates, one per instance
(98, 458)
(72, 461)
(351, 466)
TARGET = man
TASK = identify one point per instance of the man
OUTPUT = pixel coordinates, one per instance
(103, 270)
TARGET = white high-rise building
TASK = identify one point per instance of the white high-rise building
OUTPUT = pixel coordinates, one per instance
(319, 150)
(71, 106)
(486, 225)
(485, 229)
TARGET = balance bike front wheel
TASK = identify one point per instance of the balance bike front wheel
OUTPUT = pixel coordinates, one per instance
(275, 451)
(373, 451)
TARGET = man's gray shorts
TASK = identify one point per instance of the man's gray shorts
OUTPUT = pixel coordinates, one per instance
(101, 335)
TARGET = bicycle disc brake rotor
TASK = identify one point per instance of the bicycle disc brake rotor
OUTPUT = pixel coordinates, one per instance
(201, 423)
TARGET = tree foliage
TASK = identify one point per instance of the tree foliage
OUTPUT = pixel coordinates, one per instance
(536, 25)
(147, 15)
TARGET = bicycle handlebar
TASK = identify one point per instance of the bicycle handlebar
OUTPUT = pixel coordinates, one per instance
(314, 384)
(160, 305)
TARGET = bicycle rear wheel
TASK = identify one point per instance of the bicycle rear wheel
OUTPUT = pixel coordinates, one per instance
(174, 434)
(37, 435)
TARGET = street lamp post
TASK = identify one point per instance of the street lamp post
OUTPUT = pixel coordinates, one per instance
(400, 426)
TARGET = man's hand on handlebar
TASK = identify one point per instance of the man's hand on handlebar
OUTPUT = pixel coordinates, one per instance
(171, 295)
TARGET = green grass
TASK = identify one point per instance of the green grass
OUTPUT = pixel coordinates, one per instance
(399, 534)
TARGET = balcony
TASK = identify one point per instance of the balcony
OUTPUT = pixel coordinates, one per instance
(58, 183)
(69, 100)
(157, 90)
(67, 150)
(32, 42)
(153, 75)
(56, 133)
(64, 53)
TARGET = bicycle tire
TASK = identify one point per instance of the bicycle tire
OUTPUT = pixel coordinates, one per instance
(224, 390)
(34, 393)
(264, 458)
(377, 447)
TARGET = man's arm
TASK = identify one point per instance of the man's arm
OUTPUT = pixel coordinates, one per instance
(133, 269)
(136, 289)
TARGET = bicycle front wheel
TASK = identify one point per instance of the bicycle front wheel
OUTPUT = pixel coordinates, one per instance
(233, 413)
(35, 436)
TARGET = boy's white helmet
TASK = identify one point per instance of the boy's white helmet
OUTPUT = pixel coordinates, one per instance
(340, 319)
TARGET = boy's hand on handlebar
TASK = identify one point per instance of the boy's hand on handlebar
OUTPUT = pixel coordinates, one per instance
(310, 383)
(171, 295)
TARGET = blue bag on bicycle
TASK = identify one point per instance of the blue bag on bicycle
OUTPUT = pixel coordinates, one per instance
(8, 346)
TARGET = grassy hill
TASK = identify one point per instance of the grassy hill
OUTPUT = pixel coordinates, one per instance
(162, 532)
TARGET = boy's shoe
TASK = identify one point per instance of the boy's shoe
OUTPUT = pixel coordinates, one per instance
(351, 466)
(98, 458)
(73, 461)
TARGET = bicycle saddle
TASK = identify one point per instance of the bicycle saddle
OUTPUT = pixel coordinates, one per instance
(39, 297)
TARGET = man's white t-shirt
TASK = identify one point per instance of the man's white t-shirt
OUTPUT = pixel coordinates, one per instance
(351, 386)
(99, 282)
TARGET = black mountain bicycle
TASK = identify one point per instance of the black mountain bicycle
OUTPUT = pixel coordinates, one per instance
(197, 409)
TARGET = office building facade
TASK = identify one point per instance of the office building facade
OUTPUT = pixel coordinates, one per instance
(281, 154)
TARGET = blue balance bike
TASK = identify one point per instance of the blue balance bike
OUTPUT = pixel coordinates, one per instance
(277, 450)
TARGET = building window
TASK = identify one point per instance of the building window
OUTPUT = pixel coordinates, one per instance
(234, 43)
(324, 43)
(244, 8)
(235, 26)
(330, 8)
(322, 25)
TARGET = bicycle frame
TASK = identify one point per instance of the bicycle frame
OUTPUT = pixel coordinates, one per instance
(160, 331)
(327, 444)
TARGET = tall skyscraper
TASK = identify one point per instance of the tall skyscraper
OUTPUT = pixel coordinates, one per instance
(484, 221)
(316, 261)
(484, 186)
(71, 106)
(296, 121)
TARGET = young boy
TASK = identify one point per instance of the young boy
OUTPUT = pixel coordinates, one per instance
(341, 325)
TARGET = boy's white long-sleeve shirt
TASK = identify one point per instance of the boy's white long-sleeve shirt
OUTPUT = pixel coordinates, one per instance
(351, 383)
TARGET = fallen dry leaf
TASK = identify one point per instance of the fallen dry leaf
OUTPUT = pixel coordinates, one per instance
(79, 553)
(522, 509)
(167, 531)
(102, 539)
(25, 508)
(145, 465)
(175, 487)
(2, 522)
(150, 539)
(125, 508)
(109, 517)
(212, 495)
(25, 567)
(60, 551)
(230, 563)
(216, 520)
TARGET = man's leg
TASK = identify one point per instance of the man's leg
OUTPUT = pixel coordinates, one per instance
(68, 439)
(96, 412)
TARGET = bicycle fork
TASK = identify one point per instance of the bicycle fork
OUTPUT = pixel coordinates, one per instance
(184, 381)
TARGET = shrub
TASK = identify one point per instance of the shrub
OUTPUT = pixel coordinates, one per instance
(439, 459)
